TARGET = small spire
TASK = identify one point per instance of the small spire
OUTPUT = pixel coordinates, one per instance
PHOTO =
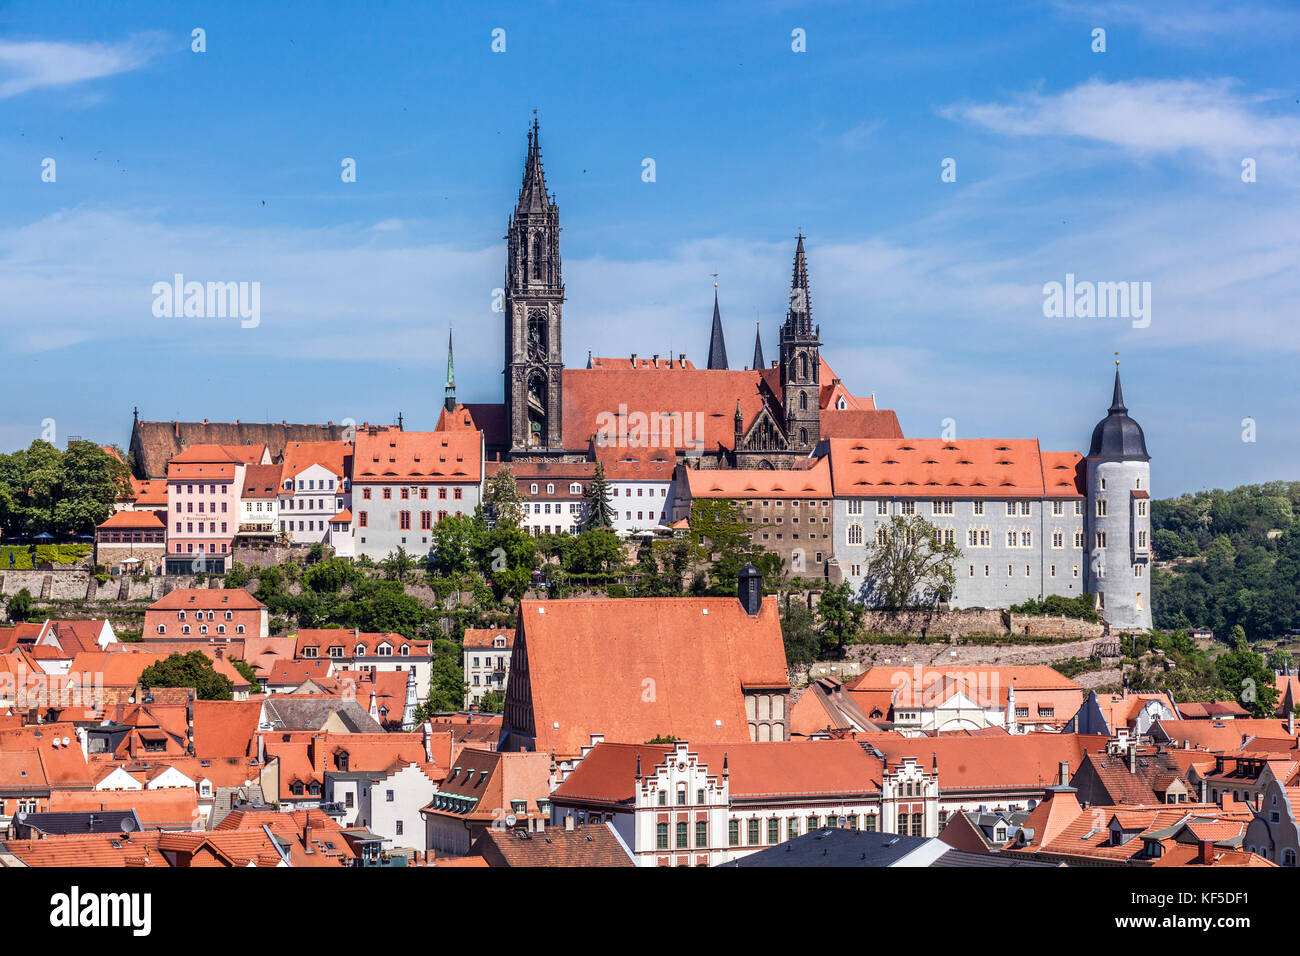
(449, 390)
(717, 345)
(758, 349)
(1117, 400)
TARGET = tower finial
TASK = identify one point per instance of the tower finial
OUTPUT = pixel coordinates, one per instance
(758, 348)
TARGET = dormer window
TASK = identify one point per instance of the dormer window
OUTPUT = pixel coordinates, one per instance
(359, 650)
(406, 650)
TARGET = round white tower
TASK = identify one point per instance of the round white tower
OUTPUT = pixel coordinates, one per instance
(1118, 519)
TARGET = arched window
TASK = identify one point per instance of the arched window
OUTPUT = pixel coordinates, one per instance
(239, 629)
(855, 534)
(162, 628)
(537, 256)
(1288, 858)
(881, 536)
(803, 367)
(185, 629)
(803, 436)
(803, 401)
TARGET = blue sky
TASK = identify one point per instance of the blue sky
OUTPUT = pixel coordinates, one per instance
(225, 166)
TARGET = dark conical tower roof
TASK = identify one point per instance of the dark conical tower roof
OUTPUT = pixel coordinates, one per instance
(758, 349)
(532, 194)
(717, 346)
(799, 318)
(1117, 435)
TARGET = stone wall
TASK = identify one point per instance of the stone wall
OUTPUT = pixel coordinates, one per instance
(936, 624)
(1066, 628)
(82, 586)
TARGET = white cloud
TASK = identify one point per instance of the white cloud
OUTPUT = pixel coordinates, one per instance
(1145, 117)
(1190, 22)
(34, 64)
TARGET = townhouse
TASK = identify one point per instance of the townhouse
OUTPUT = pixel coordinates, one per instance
(204, 487)
(486, 790)
(375, 652)
(314, 488)
(642, 487)
(207, 612)
(924, 700)
(486, 664)
(404, 482)
(554, 493)
(258, 504)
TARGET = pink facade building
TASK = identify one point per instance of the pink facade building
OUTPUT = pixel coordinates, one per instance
(204, 484)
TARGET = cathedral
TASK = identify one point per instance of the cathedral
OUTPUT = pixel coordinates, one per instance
(762, 416)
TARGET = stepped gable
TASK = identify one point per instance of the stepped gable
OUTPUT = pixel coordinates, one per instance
(153, 444)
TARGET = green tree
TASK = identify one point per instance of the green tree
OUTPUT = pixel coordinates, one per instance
(908, 565)
(501, 499)
(595, 551)
(839, 615)
(599, 513)
(493, 702)
(43, 489)
(20, 606)
(799, 632)
(446, 683)
(194, 670)
(398, 565)
(1280, 659)
(247, 672)
(1248, 679)
(456, 541)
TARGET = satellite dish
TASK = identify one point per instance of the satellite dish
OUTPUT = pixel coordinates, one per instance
(510, 820)
(128, 824)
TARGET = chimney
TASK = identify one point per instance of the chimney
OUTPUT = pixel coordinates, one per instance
(1204, 791)
(1205, 852)
(1063, 773)
(318, 753)
(681, 359)
(427, 729)
(1133, 757)
(656, 360)
(568, 821)
(634, 360)
(1290, 723)
(306, 834)
(540, 825)
(749, 589)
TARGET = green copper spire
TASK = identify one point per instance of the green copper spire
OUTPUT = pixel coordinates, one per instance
(449, 392)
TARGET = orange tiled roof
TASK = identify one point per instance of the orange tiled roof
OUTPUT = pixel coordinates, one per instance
(1019, 761)
(482, 637)
(261, 481)
(90, 850)
(814, 482)
(417, 456)
(935, 468)
(135, 520)
(149, 492)
(215, 599)
(332, 455)
(590, 662)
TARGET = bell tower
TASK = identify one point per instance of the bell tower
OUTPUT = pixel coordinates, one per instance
(534, 295)
(800, 362)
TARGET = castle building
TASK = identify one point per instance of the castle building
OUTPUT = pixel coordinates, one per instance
(714, 417)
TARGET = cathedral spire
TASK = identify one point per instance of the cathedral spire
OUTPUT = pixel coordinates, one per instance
(717, 347)
(449, 390)
(532, 194)
(800, 299)
(758, 349)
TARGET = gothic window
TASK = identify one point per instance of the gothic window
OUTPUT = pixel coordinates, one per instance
(537, 256)
(803, 368)
(537, 346)
(803, 401)
(803, 436)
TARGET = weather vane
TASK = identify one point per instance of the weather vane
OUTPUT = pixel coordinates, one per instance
(715, 279)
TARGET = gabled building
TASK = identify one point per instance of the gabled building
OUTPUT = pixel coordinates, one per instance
(405, 482)
(207, 612)
(635, 669)
(486, 790)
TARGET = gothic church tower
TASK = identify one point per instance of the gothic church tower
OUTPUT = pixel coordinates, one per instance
(800, 363)
(534, 294)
